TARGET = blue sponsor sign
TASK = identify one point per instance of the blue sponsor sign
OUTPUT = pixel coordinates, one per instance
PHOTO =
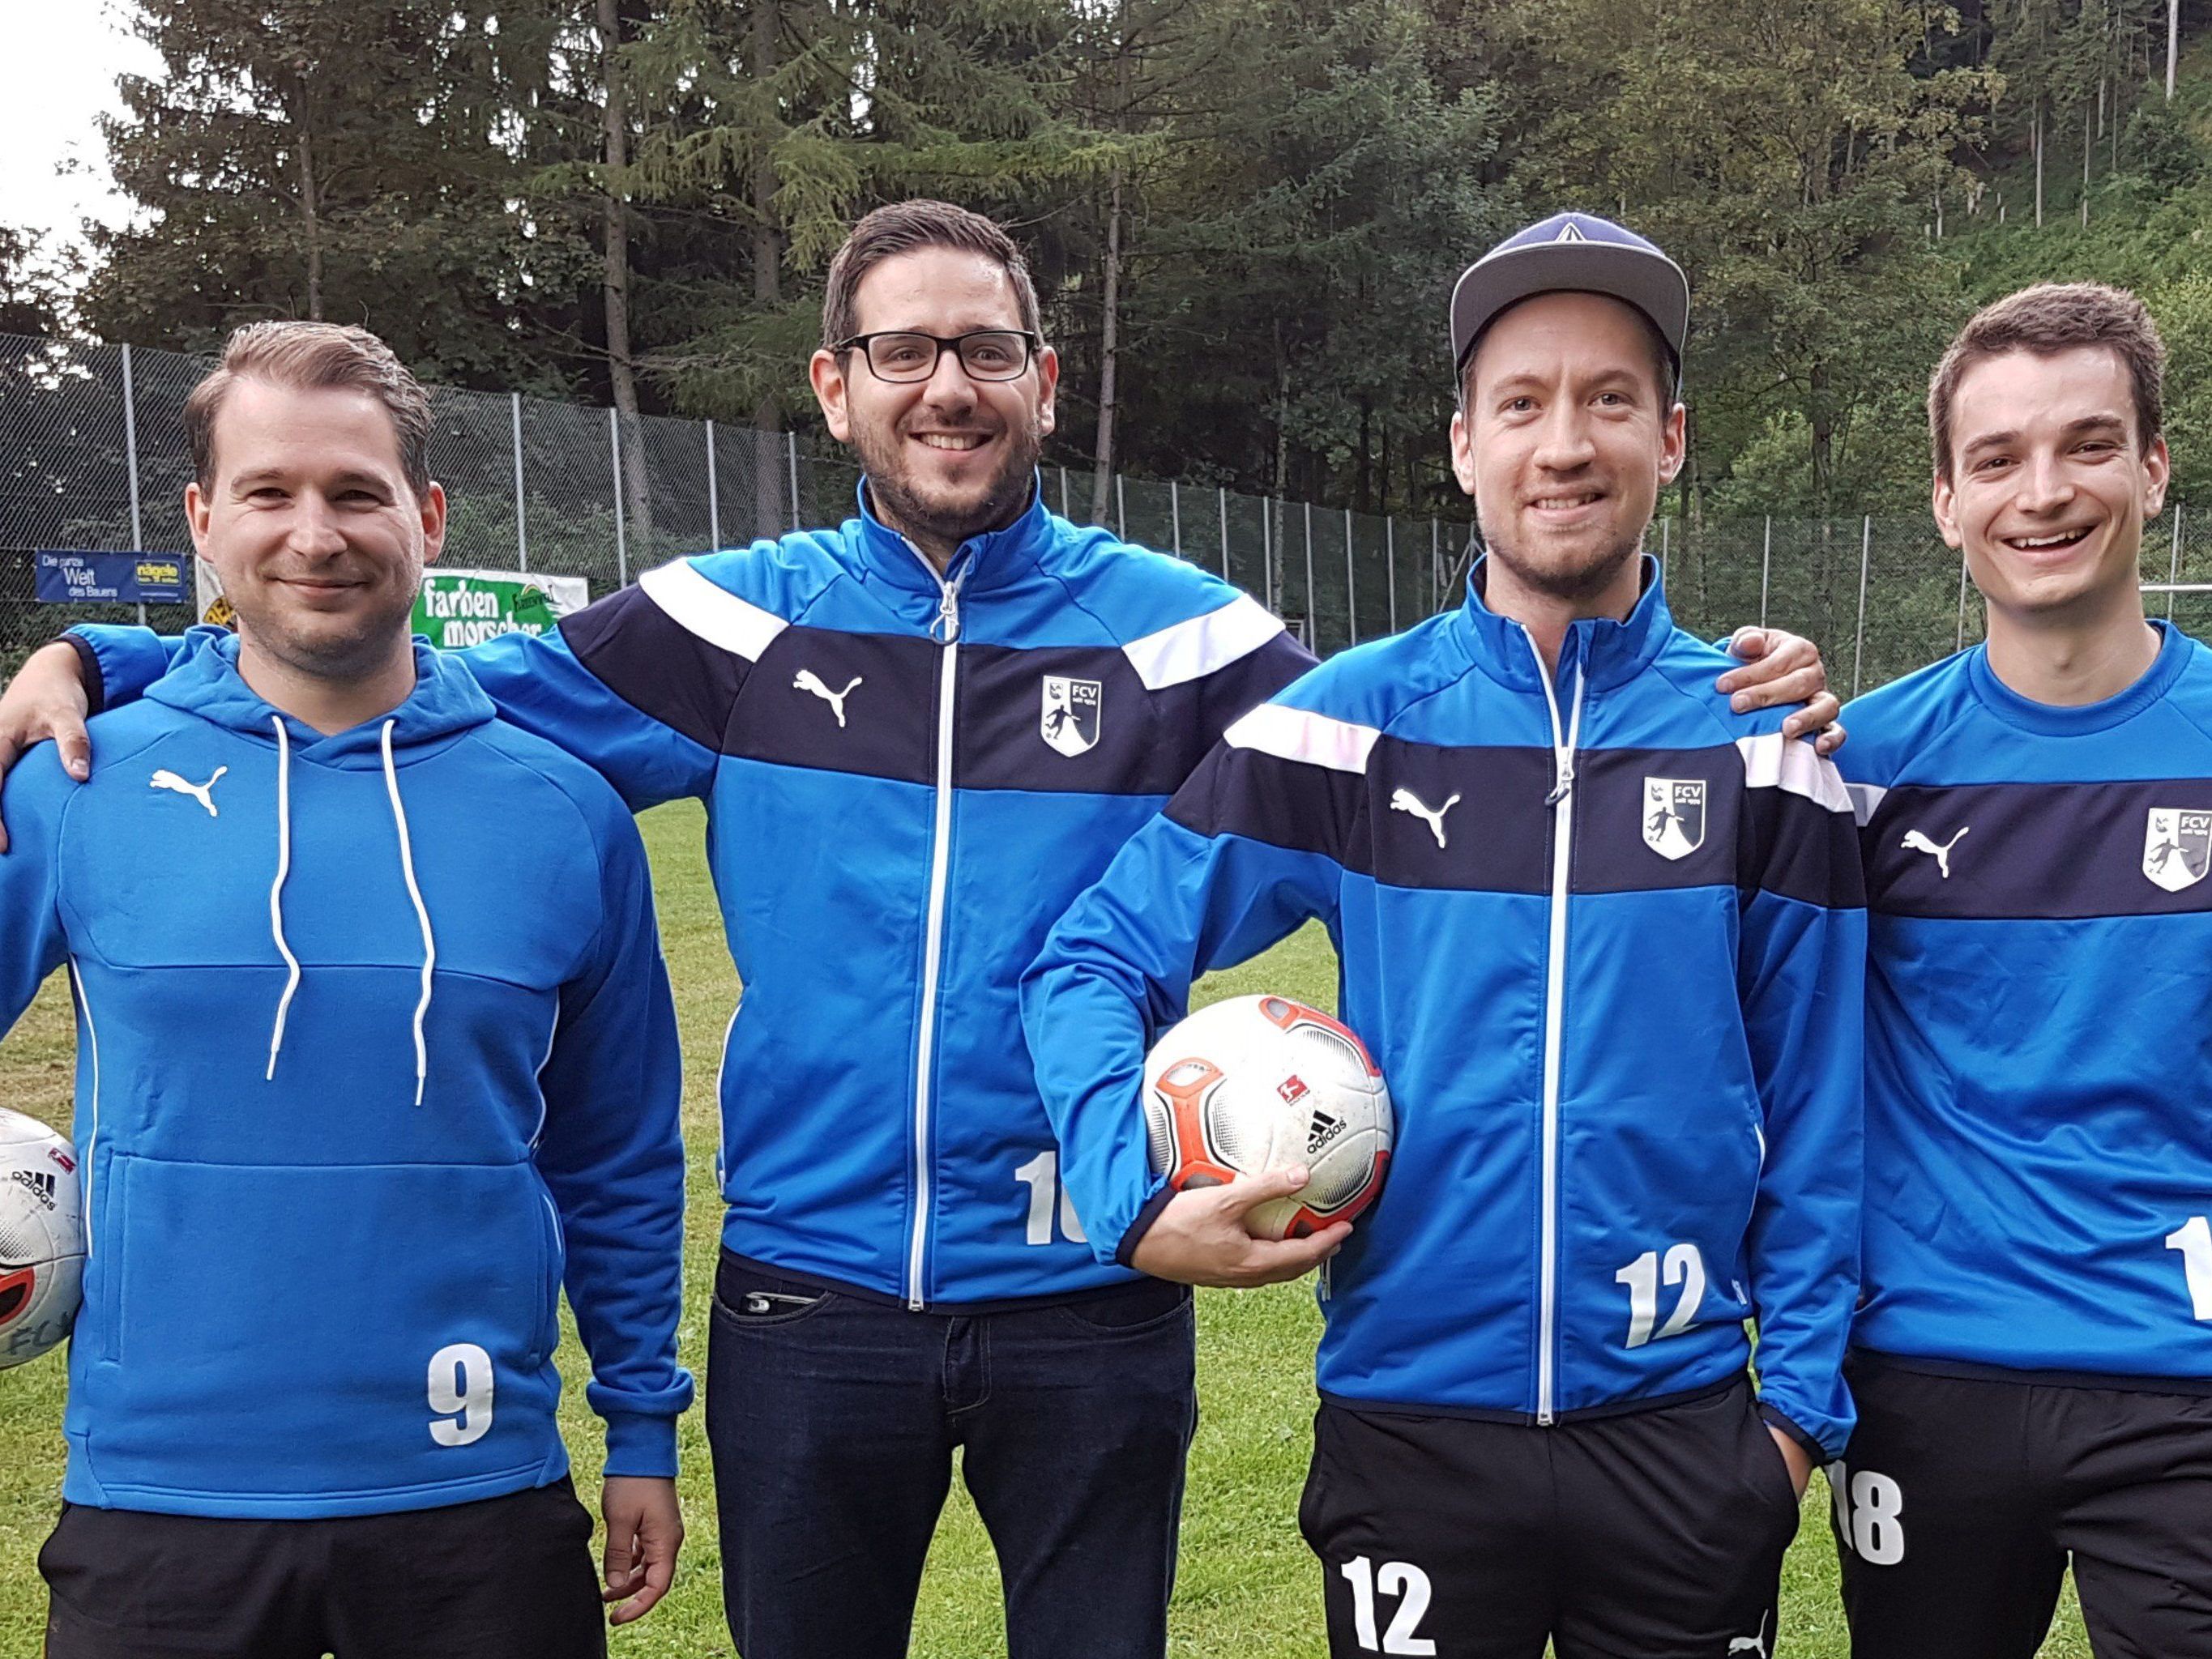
(67, 576)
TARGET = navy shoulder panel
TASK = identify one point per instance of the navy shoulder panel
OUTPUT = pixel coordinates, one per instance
(679, 644)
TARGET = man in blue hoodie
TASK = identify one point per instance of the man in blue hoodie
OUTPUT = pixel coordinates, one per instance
(351, 1105)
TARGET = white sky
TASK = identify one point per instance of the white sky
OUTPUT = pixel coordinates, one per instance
(58, 74)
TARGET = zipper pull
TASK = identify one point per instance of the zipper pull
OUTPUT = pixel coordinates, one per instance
(1566, 786)
(948, 612)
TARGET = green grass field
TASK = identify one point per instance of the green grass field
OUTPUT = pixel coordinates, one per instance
(1247, 1586)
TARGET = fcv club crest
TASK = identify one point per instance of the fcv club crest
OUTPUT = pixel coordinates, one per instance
(2177, 847)
(1070, 721)
(1673, 815)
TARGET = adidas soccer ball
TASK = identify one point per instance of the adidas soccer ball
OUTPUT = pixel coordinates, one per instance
(1254, 1084)
(41, 1238)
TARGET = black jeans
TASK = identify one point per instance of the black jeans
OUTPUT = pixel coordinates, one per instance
(833, 1419)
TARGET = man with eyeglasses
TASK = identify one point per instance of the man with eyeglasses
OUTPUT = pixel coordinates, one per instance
(919, 735)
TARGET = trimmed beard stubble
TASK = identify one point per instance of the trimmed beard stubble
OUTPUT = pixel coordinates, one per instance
(900, 507)
(1572, 586)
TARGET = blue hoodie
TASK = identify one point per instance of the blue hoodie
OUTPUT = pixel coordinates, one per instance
(374, 1045)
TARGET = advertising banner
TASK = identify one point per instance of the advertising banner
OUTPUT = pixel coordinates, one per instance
(79, 576)
(459, 608)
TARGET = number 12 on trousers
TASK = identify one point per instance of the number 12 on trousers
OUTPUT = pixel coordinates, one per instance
(1405, 1582)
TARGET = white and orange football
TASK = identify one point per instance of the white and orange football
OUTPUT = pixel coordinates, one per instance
(1254, 1084)
(41, 1238)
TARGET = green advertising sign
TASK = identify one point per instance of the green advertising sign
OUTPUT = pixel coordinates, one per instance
(459, 607)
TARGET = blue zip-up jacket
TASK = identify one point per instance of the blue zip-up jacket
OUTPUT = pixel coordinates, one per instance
(907, 779)
(2038, 1023)
(375, 1051)
(1604, 939)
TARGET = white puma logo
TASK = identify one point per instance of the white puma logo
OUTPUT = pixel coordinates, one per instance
(1914, 841)
(808, 680)
(1405, 801)
(1758, 1643)
(165, 779)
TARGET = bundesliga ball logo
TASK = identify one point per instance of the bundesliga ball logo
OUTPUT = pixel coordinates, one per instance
(1254, 1084)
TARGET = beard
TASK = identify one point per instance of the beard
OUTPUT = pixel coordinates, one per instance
(329, 647)
(904, 503)
(1574, 578)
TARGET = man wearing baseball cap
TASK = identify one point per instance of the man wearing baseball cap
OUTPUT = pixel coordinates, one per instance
(1605, 937)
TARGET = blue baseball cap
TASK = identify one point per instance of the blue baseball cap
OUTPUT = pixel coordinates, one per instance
(1570, 252)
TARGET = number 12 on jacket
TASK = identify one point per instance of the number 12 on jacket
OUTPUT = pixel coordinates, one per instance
(1685, 1266)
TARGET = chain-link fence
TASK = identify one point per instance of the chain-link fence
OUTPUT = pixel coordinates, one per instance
(92, 457)
(1883, 595)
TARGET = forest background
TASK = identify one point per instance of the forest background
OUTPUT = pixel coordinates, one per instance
(1245, 216)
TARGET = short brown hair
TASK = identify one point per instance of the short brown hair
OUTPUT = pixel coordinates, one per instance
(902, 227)
(307, 357)
(2046, 319)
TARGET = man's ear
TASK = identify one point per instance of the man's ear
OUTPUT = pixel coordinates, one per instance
(827, 372)
(1047, 368)
(2159, 466)
(1463, 452)
(433, 522)
(197, 510)
(1673, 444)
(1946, 505)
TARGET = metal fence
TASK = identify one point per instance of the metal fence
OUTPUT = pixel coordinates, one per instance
(92, 456)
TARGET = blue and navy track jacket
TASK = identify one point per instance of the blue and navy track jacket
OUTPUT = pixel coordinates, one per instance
(2039, 1022)
(907, 779)
(1605, 940)
(375, 1051)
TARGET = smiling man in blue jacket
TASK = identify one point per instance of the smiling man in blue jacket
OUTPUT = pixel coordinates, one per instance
(2034, 1362)
(1604, 936)
(352, 1104)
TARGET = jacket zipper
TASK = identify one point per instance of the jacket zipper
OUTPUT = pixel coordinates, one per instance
(1561, 800)
(933, 951)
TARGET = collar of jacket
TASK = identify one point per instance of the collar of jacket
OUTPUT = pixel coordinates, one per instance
(205, 681)
(1608, 652)
(990, 560)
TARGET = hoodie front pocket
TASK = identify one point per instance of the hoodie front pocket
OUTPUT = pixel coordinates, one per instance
(328, 1331)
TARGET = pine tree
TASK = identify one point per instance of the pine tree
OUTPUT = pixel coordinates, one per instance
(355, 162)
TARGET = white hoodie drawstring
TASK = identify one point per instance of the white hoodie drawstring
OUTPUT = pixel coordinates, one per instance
(277, 891)
(421, 911)
(276, 901)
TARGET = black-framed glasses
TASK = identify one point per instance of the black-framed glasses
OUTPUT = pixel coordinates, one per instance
(986, 354)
